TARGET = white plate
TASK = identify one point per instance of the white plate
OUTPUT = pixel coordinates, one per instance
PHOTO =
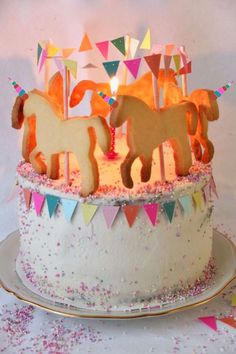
(224, 252)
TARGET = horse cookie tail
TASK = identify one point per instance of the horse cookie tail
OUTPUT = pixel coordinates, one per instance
(102, 132)
(192, 117)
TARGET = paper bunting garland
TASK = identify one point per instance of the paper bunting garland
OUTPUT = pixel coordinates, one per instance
(52, 50)
(183, 58)
(167, 61)
(119, 43)
(186, 70)
(103, 48)
(111, 67)
(198, 199)
(43, 59)
(186, 204)
(88, 211)
(229, 321)
(66, 52)
(59, 66)
(69, 206)
(153, 61)
(89, 66)
(27, 197)
(131, 212)
(146, 43)
(38, 202)
(152, 211)
(133, 46)
(110, 212)
(177, 63)
(210, 321)
(71, 66)
(39, 51)
(169, 49)
(133, 66)
(169, 209)
(85, 44)
(52, 202)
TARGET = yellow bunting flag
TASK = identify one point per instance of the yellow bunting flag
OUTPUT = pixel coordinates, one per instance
(198, 199)
(66, 52)
(85, 44)
(88, 211)
(71, 66)
(233, 300)
(52, 50)
(146, 43)
(177, 62)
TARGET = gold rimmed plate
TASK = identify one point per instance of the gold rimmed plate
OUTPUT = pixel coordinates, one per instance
(224, 252)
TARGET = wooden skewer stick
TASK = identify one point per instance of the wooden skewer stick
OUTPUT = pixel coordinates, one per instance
(65, 96)
(184, 76)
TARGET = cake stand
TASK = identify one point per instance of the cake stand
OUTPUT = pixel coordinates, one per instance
(224, 252)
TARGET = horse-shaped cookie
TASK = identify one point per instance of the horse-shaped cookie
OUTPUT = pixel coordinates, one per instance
(55, 135)
(208, 110)
(147, 129)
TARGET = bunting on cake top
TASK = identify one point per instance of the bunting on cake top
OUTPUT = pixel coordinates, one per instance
(66, 52)
(39, 51)
(110, 212)
(52, 203)
(52, 50)
(85, 44)
(167, 61)
(133, 66)
(169, 209)
(59, 66)
(43, 58)
(119, 43)
(68, 206)
(27, 197)
(131, 212)
(71, 66)
(186, 70)
(146, 43)
(152, 211)
(169, 49)
(153, 61)
(89, 66)
(176, 58)
(38, 202)
(88, 211)
(183, 58)
(111, 67)
(186, 204)
(210, 321)
(103, 48)
(133, 46)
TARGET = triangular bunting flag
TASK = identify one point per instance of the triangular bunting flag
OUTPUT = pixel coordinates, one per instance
(66, 52)
(229, 321)
(133, 46)
(210, 321)
(169, 209)
(167, 61)
(38, 202)
(71, 66)
(198, 199)
(88, 211)
(133, 66)
(233, 300)
(186, 204)
(146, 43)
(39, 51)
(89, 66)
(27, 197)
(59, 66)
(176, 58)
(119, 43)
(111, 67)
(207, 193)
(52, 50)
(85, 44)
(213, 187)
(169, 49)
(52, 202)
(43, 59)
(103, 48)
(153, 61)
(69, 206)
(186, 70)
(183, 58)
(152, 211)
(110, 213)
(131, 212)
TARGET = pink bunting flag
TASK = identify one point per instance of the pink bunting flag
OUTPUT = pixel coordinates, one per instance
(210, 321)
(59, 66)
(43, 59)
(183, 58)
(110, 212)
(133, 66)
(152, 211)
(27, 197)
(38, 202)
(103, 48)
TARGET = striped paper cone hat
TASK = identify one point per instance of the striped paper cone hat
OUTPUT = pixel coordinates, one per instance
(222, 89)
(20, 91)
(110, 100)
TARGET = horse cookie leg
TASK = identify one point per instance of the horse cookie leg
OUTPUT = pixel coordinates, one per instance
(37, 162)
(89, 174)
(125, 169)
(146, 168)
(196, 147)
(53, 166)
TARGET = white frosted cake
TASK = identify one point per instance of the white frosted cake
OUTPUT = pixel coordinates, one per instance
(103, 267)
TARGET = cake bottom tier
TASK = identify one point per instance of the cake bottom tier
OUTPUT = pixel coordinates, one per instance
(102, 268)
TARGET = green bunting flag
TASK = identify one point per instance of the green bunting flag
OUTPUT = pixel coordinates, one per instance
(119, 43)
(169, 209)
(52, 202)
(111, 67)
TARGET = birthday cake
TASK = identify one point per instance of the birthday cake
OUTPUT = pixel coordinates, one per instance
(121, 232)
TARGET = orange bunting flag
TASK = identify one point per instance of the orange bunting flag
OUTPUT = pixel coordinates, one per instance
(229, 321)
(146, 43)
(27, 197)
(66, 52)
(85, 44)
(131, 212)
(153, 61)
(169, 49)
